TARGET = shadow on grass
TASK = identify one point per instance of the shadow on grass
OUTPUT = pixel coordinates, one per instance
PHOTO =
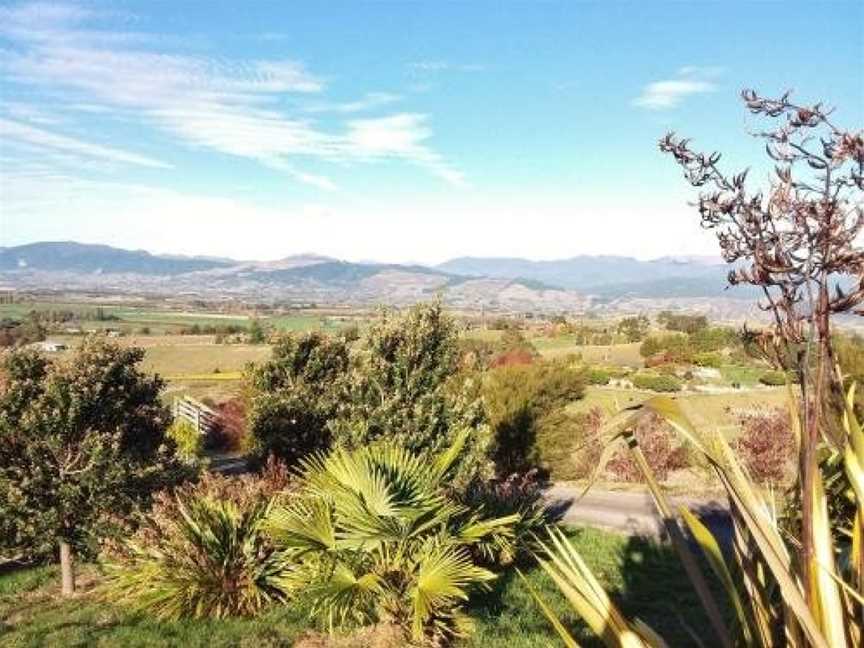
(643, 577)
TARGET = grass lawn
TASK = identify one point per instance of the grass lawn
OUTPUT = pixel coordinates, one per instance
(744, 376)
(189, 369)
(486, 335)
(643, 577)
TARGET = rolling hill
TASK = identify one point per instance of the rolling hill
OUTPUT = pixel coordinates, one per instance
(603, 283)
(71, 266)
(609, 276)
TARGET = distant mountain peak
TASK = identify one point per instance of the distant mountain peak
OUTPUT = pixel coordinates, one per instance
(516, 283)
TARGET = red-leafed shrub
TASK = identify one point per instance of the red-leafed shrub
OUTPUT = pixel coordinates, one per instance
(590, 445)
(658, 360)
(230, 428)
(513, 358)
(657, 444)
(766, 445)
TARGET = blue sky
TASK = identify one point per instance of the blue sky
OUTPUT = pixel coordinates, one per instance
(392, 130)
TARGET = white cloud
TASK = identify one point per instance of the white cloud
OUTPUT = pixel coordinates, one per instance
(46, 140)
(669, 93)
(369, 101)
(30, 113)
(399, 136)
(230, 107)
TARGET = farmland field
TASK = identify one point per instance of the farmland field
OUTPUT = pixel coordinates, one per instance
(177, 359)
(165, 321)
(622, 355)
(707, 411)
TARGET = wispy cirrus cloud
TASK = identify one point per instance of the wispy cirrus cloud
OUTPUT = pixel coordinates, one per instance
(42, 139)
(369, 101)
(233, 107)
(669, 93)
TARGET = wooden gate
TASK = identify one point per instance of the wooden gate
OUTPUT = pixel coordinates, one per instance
(197, 413)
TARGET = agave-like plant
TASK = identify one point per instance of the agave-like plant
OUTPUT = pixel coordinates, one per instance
(376, 537)
(203, 558)
(776, 600)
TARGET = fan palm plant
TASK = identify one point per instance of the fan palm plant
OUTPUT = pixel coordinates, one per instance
(375, 536)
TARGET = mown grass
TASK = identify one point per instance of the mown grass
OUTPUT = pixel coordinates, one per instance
(643, 577)
(32, 614)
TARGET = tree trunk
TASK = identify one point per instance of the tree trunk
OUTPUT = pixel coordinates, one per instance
(67, 570)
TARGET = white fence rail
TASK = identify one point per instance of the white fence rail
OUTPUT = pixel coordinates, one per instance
(197, 413)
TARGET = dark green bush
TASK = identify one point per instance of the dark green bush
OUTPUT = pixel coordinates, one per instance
(596, 376)
(295, 395)
(400, 381)
(658, 383)
(519, 399)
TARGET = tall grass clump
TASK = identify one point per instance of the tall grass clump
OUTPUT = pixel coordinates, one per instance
(200, 551)
(188, 440)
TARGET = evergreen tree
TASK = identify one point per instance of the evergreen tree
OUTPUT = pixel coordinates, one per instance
(81, 443)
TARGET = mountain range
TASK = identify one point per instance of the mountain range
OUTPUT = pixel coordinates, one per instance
(578, 283)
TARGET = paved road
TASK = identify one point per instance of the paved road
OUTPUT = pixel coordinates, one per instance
(632, 513)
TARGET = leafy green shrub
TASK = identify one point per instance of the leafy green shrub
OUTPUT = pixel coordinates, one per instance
(400, 382)
(515, 340)
(714, 338)
(634, 328)
(375, 536)
(518, 398)
(658, 383)
(202, 558)
(708, 359)
(295, 395)
(405, 387)
(774, 378)
(684, 323)
(596, 376)
(189, 442)
(676, 347)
